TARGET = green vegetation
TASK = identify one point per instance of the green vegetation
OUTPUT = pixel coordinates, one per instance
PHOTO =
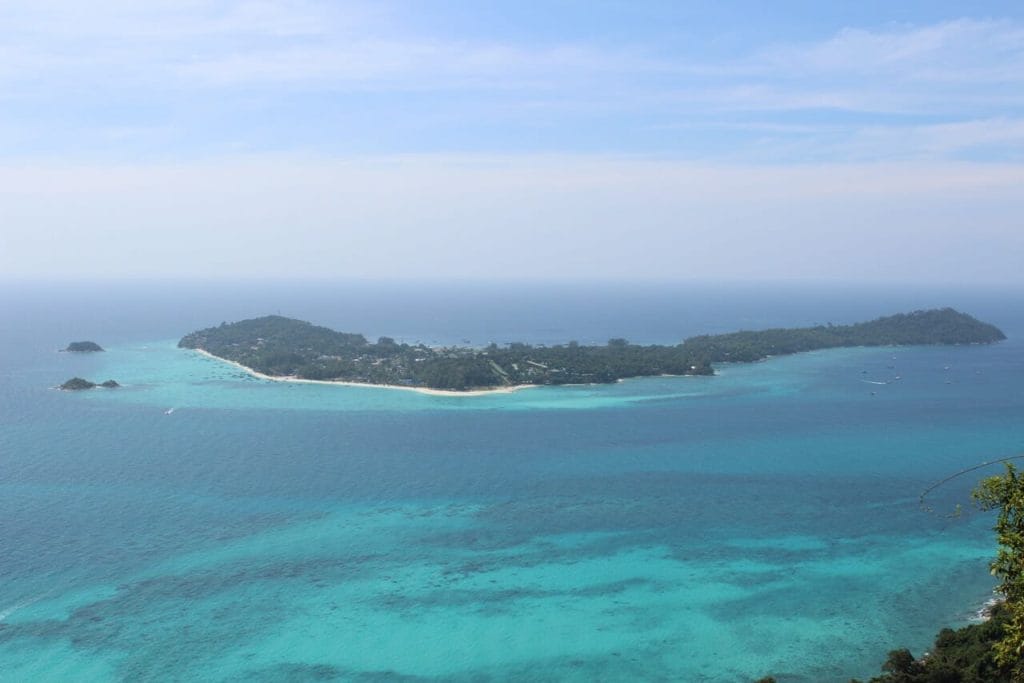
(1005, 493)
(965, 655)
(79, 384)
(284, 347)
(279, 346)
(83, 347)
(938, 326)
(993, 651)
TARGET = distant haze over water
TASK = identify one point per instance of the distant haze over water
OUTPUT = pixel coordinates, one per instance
(537, 312)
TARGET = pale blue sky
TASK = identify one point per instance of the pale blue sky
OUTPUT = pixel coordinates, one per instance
(745, 140)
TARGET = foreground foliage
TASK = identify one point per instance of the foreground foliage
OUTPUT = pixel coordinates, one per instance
(280, 346)
(964, 655)
(1005, 493)
(991, 652)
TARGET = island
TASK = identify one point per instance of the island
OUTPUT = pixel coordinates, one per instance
(79, 384)
(83, 347)
(277, 347)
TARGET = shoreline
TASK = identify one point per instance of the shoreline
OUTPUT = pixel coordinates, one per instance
(420, 390)
(984, 613)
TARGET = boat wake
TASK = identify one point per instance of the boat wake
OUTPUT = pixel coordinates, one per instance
(8, 611)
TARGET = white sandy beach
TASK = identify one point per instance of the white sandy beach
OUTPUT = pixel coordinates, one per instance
(421, 390)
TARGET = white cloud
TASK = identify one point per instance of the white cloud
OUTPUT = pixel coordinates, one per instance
(268, 44)
(403, 66)
(328, 44)
(952, 68)
(937, 141)
(174, 66)
(847, 196)
(943, 51)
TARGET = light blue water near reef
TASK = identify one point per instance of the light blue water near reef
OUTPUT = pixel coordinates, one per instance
(691, 529)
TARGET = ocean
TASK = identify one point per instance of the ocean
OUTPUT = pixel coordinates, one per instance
(200, 524)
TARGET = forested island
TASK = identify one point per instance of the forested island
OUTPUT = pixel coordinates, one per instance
(286, 348)
(83, 347)
(79, 384)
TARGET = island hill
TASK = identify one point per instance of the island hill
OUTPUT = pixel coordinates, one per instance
(284, 348)
(79, 384)
(83, 347)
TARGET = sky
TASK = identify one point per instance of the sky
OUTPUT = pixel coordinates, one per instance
(434, 140)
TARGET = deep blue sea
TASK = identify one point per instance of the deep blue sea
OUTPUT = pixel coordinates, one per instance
(200, 524)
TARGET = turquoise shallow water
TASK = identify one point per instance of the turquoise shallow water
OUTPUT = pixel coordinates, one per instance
(701, 529)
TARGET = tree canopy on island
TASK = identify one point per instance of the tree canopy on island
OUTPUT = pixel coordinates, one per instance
(79, 384)
(280, 346)
(83, 347)
(937, 326)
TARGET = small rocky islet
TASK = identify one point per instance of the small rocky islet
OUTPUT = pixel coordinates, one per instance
(83, 347)
(79, 384)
